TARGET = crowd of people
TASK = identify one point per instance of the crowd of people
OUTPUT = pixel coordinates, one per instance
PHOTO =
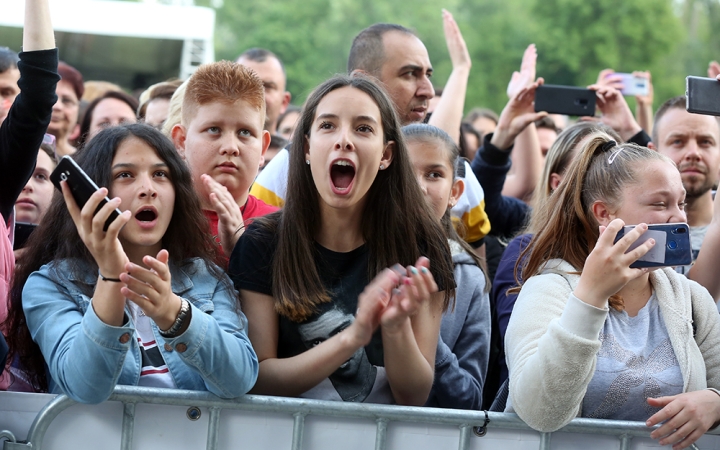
(371, 245)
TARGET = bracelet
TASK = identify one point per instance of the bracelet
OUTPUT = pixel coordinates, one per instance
(179, 320)
(714, 390)
(104, 278)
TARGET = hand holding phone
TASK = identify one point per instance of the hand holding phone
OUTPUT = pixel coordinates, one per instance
(702, 96)
(81, 185)
(567, 100)
(632, 85)
(672, 245)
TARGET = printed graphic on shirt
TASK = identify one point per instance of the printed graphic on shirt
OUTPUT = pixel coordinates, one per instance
(344, 276)
(354, 379)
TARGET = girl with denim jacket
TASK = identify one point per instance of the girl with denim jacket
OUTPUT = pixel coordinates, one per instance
(136, 302)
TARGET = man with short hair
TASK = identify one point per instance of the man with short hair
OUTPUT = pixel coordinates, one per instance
(272, 73)
(396, 57)
(9, 76)
(693, 142)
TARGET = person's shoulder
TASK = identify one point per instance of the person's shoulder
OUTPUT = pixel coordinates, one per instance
(258, 208)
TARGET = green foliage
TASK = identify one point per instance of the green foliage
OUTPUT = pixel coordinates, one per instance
(575, 38)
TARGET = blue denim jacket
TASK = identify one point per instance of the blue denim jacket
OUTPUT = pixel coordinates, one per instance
(87, 358)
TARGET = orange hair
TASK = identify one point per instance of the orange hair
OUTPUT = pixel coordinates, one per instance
(225, 82)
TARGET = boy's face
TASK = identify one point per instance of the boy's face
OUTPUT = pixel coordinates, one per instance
(227, 142)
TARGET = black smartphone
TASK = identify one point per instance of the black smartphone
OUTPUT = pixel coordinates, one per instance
(702, 96)
(22, 233)
(80, 184)
(672, 245)
(568, 100)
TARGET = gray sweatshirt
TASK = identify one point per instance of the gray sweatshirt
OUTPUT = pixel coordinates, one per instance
(461, 358)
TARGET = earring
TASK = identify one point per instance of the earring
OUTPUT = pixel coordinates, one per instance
(307, 161)
(382, 166)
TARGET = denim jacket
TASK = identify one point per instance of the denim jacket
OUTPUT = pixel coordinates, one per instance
(87, 358)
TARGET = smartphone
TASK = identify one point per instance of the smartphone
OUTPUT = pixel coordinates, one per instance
(672, 245)
(22, 233)
(567, 100)
(702, 95)
(80, 184)
(633, 85)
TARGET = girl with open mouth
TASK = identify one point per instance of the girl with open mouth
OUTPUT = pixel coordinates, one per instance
(142, 303)
(353, 210)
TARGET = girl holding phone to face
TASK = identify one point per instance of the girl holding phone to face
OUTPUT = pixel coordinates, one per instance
(327, 317)
(589, 336)
(139, 304)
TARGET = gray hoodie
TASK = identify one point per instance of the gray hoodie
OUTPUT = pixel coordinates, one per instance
(461, 358)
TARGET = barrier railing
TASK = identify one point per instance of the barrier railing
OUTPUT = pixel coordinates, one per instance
(469, 422)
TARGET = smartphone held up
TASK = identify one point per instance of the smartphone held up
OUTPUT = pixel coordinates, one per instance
(672, 245)
(702, 95)
(80, 184)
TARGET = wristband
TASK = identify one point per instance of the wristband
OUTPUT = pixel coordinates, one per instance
(104, 278)
(179, 320)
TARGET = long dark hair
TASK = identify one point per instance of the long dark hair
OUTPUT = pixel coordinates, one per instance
(56, 238)
(423, 132)
(396, 221)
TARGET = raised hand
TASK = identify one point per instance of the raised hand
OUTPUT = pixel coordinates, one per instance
(230, 220)
(615, 111)
(686, 417)
(648, 98)
(517, 114)
(459, 54)
(104, 246)
(608, 78)
(150, 288)
(607, 268)
(526, 76)
(714, 70)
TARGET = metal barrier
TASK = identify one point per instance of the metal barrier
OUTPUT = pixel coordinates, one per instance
(468, 422)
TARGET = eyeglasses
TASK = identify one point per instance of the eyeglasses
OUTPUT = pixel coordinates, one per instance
(49, 139)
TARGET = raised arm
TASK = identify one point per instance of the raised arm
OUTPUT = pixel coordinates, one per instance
(38, 32)
(448, 113)
(527, 158)
(22, 131)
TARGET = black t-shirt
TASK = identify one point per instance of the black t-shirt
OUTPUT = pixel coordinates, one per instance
(343, 275)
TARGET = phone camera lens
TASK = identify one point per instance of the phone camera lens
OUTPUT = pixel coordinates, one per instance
(672, 245)
(63, 177)
(679, 231)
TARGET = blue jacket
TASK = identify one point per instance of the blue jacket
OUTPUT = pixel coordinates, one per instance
(87, 358)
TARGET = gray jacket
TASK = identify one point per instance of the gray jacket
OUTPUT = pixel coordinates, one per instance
(463, 350)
